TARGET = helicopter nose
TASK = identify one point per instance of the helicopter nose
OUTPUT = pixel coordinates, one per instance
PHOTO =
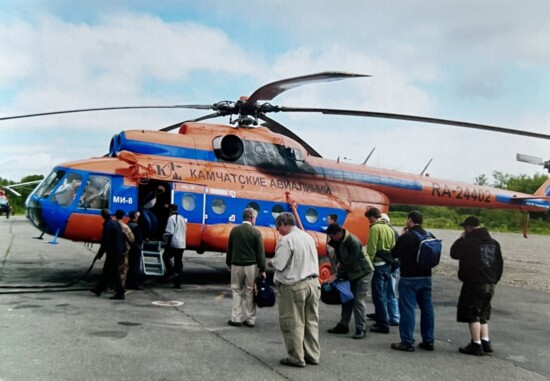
(34, 213)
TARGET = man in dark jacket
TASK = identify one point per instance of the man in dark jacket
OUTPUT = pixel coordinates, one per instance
(479, 268)
(352, 264)
(415, 286)
(113, 244)
(245, 259)
(134, 256)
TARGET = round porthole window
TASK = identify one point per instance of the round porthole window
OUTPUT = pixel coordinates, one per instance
(188, 202)
(254, 206)
(218, 206)
(276, 210)
(312, 216)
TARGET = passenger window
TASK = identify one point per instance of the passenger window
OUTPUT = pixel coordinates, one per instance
(254, 206)
(97, 193)
(188, 202)
(312, 216)
(66, 192)
(218, 206)
(276, 210)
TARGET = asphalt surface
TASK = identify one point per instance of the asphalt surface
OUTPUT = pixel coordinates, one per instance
(71, 334)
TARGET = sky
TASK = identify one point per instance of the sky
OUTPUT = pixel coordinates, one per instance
(483, 62)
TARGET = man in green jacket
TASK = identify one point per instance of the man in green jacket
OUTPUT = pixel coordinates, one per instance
(381, 241)
(245, 257)
(353, 264)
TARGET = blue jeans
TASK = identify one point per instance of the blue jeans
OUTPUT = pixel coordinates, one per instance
(150, 223)
(393, 307)
(414, 291)
(381, 281)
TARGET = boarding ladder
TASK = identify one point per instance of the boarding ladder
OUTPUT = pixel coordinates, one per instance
(152, 258)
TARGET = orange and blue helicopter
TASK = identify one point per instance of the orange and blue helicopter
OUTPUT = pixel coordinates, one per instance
(214, 171)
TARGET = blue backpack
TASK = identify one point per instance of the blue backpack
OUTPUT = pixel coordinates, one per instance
(429, 251)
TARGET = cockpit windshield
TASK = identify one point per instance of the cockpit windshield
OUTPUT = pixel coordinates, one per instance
(66, 192)
(46, 187)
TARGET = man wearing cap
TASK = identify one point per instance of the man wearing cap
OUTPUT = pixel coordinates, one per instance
(353, 264)
(480, 267)
(112, 243)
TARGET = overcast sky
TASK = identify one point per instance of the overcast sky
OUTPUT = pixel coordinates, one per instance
(485, 62)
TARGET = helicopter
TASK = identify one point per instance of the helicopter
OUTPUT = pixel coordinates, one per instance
(214, 171)
(5, 207)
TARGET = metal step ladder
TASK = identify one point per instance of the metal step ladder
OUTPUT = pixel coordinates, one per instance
(152, 258)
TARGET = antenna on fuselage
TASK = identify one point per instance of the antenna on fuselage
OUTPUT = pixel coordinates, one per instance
(426, 167)
(368, 157)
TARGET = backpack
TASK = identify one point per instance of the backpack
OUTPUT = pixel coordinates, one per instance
(429, 251)
(264, 296)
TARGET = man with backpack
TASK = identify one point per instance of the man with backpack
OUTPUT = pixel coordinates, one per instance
(479, 268)
(415, 286)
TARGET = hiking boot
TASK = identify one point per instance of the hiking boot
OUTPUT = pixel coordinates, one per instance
(486, 346)
(426, 346)
(402, 347)
(339, 329)
(472, 349)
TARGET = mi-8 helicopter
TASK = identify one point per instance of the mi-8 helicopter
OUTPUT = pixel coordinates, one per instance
(214, 171)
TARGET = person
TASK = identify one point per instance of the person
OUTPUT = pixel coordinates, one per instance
(352, 264)
(112, 244)
(296, 271)
(245, 258)
(380, 242)
(134, 256)
(391, 297)
(150, 220)
(415, 287)
(174, 235)
(128, 241)
(479, 268)
(331, 219)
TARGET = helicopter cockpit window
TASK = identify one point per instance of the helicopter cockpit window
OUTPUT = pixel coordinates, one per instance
(46, 187)
(66, 192)
(188, 202)
(218, 206)
(312, 215)
(97, 193)
(296, 160)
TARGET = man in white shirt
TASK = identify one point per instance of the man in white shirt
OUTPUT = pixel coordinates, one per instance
(174, 235)
(296, 270)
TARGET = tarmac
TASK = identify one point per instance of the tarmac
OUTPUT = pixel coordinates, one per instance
(162, 333)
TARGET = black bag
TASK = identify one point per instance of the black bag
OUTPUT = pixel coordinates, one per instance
(338, 292)
(264, 295)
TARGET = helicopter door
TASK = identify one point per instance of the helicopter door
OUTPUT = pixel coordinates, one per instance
(191, 202)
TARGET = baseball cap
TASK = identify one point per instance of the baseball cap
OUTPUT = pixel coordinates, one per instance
(470, 221)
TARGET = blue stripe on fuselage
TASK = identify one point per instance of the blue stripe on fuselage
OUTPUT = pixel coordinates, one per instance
(528, 202)
(329, 173)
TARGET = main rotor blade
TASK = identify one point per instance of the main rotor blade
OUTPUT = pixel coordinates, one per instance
(196, 107)
(271, 90)
(280, 129)
(529, 159)
(413, 118)
(174, 126)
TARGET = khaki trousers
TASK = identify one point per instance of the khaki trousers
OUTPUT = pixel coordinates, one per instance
(242, 287)
(299, 320)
